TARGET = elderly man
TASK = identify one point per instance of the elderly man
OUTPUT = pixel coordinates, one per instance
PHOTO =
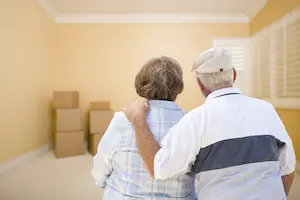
(237, 145)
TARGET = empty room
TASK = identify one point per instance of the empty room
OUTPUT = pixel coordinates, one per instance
(150, 99)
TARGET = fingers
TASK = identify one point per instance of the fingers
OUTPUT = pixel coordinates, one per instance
(137, 106)
(125, 110)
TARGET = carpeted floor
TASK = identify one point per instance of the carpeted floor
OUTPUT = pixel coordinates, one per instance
(48, 178)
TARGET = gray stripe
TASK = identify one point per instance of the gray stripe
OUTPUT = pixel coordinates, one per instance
(238, 151)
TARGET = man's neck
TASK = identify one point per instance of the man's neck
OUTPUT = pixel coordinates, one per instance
(208, 92)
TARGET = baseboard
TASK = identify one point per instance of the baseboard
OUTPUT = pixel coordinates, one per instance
(298, 168)
(23, 159)
(85, 147)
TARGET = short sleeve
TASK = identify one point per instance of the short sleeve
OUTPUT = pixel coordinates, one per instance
(287, 157)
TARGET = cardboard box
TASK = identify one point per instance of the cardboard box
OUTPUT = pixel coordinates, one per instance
(69, 120)
(69, 144)
(65, 99)
(100, 105)
(99, 120)
(94, 140)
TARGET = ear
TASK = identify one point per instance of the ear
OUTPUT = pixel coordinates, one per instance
(200, 84)
(203, 89)
(234, 75)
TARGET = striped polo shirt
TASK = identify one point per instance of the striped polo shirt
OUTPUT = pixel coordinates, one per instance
(237, 146)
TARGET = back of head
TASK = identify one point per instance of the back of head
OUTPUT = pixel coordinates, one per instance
(159, 79)
(217, 80)
(214, 69)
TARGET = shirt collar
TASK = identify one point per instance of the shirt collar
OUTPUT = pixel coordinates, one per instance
(164, 104)
(221, 92)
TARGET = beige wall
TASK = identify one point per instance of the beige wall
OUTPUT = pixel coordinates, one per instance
(26, 38)
(272, 11)
(101, 60)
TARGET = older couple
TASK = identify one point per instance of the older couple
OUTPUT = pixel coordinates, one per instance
(236, 145)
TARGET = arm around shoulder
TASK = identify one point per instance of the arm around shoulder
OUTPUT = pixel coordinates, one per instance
(179, 148)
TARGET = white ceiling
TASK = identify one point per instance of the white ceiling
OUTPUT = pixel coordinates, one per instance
(247, 8)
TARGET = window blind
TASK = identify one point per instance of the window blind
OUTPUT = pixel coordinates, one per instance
(276, 61)
(262, 64)
(292, 72)
(238, 50)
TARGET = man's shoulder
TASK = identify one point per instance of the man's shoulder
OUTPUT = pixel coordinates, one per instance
(259, 102)
(196, 112)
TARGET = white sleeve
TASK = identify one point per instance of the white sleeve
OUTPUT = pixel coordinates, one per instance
(179, 148)
(106, 148)
(287, 158)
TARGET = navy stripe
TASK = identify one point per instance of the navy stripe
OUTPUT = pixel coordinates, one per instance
(228, 94)
(238, 151)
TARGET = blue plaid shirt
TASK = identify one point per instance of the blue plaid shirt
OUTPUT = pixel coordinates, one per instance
(119, 168)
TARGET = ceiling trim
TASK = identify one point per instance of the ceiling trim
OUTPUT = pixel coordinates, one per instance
(149, 18)
(141, 18)
(256, 10)
(49, 9)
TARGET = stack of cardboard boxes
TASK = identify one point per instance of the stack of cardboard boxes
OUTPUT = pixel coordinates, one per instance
(69, 134)
(100, 117)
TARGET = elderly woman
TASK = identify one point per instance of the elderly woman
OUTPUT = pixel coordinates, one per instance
(118, 166)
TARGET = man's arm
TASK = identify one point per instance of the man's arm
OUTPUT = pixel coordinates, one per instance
(288, 182)
(287, 165)
(146, 143)
(287, 157)
(102, 160)
(147, 146)
(178, 149)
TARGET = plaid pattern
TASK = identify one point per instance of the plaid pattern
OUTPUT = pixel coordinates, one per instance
(129, 178)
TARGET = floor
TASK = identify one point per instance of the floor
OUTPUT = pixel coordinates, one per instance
(48, 178)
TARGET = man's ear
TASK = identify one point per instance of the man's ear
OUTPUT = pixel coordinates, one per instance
(234, 75)
(203, 89)
(200, 84)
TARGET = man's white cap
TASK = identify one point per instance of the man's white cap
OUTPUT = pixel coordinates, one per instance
(213, 60)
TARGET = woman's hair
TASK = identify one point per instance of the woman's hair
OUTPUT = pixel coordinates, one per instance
(160, 79)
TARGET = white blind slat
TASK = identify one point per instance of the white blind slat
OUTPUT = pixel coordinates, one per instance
(263, 67)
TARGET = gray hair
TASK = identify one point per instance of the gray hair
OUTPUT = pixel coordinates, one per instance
(216, 80)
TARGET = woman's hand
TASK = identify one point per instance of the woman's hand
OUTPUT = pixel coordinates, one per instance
(137, 113)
